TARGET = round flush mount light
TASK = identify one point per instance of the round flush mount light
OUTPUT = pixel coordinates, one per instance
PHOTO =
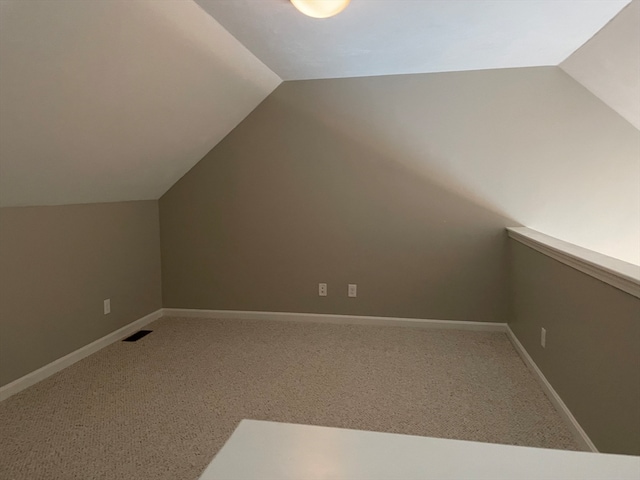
(320, 8)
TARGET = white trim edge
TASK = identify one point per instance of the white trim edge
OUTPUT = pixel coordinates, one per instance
(617, 273)
(335, 318)
(61, 363)
(580, 435)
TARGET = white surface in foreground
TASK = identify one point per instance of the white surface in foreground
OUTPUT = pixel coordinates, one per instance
(283, 451)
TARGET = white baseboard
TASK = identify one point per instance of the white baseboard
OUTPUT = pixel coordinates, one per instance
(579, 434)
(334, 318)
(57, 365)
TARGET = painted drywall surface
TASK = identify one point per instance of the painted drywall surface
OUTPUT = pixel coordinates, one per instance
(389, 182)
(385, 37)
(608, 65)
(105, 101)
(591, 357)
(291, 199)
(58, 264)
(531, 144)
(400, 184)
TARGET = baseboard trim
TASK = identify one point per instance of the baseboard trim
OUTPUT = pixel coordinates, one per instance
(578, 432)
(335, 318)
(61, 363)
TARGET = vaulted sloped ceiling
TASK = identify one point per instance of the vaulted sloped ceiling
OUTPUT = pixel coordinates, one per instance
(608, 65)
(115, 100)
(385, 37)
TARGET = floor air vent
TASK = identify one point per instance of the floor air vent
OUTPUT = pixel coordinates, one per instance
(137, 336)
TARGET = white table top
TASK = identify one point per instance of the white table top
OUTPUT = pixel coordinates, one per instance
(260, 450)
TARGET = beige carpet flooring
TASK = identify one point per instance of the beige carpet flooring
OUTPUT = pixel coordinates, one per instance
(162, 407)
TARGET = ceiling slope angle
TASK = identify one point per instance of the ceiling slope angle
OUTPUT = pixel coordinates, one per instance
(608, 65)
(112, 101)
(385, 37)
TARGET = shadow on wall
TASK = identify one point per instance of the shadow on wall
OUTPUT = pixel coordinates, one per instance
(290, 199)
(401, 120)
(530, 144)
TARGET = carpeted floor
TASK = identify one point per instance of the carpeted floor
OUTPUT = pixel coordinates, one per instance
(162, 407)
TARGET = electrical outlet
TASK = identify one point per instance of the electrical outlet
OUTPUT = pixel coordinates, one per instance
(543, 338)
(322, 289)
(107, 306)
(353, 290)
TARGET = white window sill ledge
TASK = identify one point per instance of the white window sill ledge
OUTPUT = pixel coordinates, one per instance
(616, 273)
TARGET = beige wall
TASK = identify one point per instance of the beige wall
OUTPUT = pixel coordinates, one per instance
(58, 264)
(401, 184)
(592, 354)
(290, 199)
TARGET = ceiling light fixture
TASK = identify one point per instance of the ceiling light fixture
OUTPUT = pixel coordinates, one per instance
(320, 8)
